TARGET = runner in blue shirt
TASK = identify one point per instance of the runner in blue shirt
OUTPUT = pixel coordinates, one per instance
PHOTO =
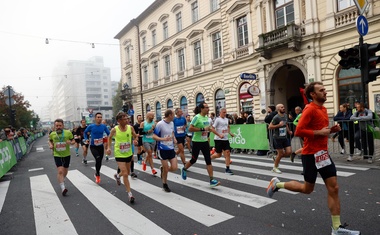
(180, 125)
(96, 144)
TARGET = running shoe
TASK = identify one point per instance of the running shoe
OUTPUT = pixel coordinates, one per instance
(133, 175)
(97, 179)
(118, 182)
(183, 173)
(276, 170)
(77, 154)
(144, 166)
(292, 156)
(64, 192)
(212, 151)
(85, 161)
(342, 152)
(161, 170)
(349, 159)
(229, 172)
(343, 231)
(214, 183)
(272, 188)
(139, 162)
(166, 188)
(107, 158)
(370, 160)
(131, 198)
(154, 172)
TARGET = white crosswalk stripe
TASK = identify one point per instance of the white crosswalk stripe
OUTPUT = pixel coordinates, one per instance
(113, 208)
(51, 217)
(49, 214)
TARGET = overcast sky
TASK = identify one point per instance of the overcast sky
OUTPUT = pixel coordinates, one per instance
(24, 25)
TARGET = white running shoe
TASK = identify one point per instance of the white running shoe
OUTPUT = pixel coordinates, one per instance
(343, 231)
(276, 170)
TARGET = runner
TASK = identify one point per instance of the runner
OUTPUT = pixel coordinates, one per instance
(313, 126)
(279, 125)
(77, 141)
(222, 144)
(200, 127)
(105, 137)
(80, 134)
(147, 128)
(180, 125)
(140, 150)
(189, 135)
(165, 137)
(59, 142)
(124, 135)
(96, 145)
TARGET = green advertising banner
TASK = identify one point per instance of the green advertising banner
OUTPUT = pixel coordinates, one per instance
(21, 140)
(248, 136)
(7, 157)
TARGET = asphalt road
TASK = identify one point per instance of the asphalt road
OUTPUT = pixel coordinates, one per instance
(33, 203)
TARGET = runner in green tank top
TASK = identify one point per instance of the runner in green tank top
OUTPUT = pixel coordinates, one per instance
(125, 137)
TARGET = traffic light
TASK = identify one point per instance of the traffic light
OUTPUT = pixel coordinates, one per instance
(371, 60)
(349, 58)
(13, 111)
(125, 108)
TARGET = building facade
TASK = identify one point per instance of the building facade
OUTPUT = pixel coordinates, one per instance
(82, 87)
(179, 53)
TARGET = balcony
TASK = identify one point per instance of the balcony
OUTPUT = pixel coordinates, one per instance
(287, 36)
(126, 94)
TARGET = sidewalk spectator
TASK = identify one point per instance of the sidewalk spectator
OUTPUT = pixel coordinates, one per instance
(347, 129)
(365, 116)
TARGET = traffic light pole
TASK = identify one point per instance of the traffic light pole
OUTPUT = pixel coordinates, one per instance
(362, 71)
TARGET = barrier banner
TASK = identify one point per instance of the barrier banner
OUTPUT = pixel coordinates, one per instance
(248, 136)
(7, 157)
(22, 142)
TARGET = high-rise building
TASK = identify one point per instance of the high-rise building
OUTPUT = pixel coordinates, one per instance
(81, 88)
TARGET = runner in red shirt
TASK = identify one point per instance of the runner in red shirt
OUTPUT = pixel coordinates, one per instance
(313, 126)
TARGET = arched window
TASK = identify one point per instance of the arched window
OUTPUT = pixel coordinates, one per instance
(220, 101)
(147, 108)
(199, 99)
(349, 86)
(183, 105)
(170, 104)
(158, 111)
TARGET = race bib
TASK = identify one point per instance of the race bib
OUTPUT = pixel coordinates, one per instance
(167, 143)
(60, 146)
(180, 129)
(224, 131)
(282, 131)
(322, 159)
(204, 135)
(125, 147)
(98, 142)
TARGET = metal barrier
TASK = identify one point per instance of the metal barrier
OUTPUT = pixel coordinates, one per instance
(355, 139)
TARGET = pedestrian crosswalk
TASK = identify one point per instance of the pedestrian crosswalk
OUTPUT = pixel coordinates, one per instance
(52, 215)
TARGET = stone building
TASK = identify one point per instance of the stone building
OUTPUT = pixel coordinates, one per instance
(179, 53)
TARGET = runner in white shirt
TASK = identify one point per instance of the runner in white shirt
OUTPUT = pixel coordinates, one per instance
(222, 143)
(164, 135)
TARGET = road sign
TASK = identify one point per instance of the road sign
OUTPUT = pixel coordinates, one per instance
(91, 115)
(248, 76)
(361, 5)
(362, 25)
(90, 110)
(131, 112)
(7, 101)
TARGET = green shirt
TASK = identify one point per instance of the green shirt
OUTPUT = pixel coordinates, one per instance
(123, 142)
(61, 148)
(200, 121)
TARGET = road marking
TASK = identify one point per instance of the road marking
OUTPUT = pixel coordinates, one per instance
(40, 149)
(201, 213)
(239, 179)
(116, 211)
(36, 169)
(238, 196)
(284, 166)
(237, 158)
(49, 214)
(3, 192)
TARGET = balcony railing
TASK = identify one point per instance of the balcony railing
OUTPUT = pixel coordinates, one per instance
(288, 36)
(346, 17)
